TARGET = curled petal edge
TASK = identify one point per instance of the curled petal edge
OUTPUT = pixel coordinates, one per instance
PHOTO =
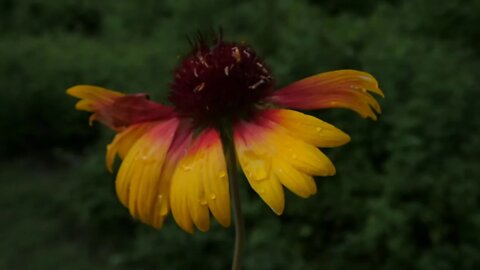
(350, 89)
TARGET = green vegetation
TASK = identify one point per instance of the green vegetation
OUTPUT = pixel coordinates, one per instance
(406, 195)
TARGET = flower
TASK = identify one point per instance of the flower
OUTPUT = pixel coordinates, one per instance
(173, 157)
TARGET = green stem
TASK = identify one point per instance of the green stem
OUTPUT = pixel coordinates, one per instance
(235, 199)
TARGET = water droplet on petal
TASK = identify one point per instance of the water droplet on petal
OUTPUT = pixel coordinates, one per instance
(222, 174)
(187, 167)
(262, 191)
(258, 166)
(319, 129)
(203, 202)
(213, 196)
(260, 174)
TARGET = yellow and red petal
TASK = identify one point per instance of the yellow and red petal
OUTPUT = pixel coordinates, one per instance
(117, 110)
(270, 156)
(200, 184)
(177, 151)
(348, 89)
(139, 179)
(307, 128)
(123, 142)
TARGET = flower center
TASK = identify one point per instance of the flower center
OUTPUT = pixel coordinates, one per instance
(225, 80)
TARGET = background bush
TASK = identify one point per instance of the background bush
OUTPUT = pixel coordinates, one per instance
(406, 195)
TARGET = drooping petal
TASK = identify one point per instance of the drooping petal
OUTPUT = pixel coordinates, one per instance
(124, 140)
(215, 183)
(117, 110)
(336, 89)
(200, 184)
(271, 156)
(307, 128)
(122, 144)
(139, 178)
(177, 151)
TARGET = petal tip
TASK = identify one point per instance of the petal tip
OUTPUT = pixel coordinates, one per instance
(278, 212)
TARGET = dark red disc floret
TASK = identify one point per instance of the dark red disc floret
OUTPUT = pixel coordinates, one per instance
(222, 81)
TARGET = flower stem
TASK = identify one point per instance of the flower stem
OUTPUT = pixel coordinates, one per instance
(235, 199)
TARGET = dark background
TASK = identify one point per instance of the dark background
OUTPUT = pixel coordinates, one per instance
(406, 195)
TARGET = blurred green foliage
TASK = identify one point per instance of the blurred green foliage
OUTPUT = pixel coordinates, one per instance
(406, 195)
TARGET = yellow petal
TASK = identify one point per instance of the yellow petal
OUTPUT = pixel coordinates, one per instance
(298, 182)
(188, 201)
(308, 128)
(271, 157)
(92, 96)
(302, 156)
(179, 198)
(139, 177)
(197, 199)
(216, 182)
(256, 162)
(200, 184)
(85, 105)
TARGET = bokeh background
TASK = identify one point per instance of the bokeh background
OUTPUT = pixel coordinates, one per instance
(407, 191)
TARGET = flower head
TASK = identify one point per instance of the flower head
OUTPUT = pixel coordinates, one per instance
(173, 157)
(226, 80)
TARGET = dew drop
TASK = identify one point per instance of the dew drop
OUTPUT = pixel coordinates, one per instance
(213, 196)
(187, 167)
(260, 174)
(203, 202)
(262, 191)
(258, 165)
(319, 129)
(222, 174)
